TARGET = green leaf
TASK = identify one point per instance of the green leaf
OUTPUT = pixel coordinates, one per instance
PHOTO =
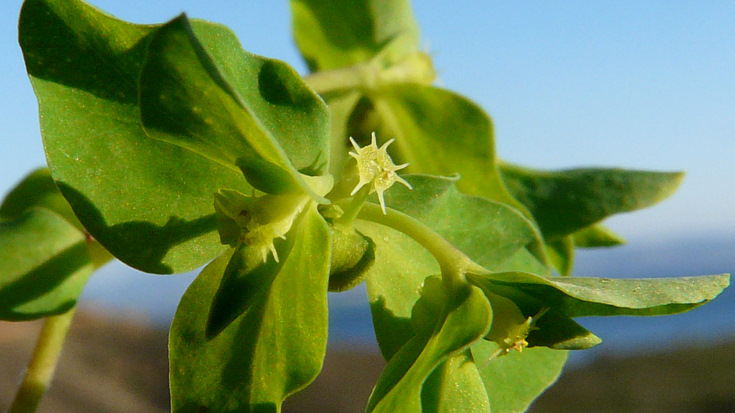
(515, 380)
(37, 189)
(564, 202)
(148, 202)
(231, 112)
(441, 133)
(455, 387)
(579, 297)
(487, 231)
(338, 34)
(271, 350)
(393, 284)
(596, 236)
(44, 265)
(461, 321)
(273, 92)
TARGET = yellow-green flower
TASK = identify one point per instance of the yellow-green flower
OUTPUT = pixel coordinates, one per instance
(376, 168)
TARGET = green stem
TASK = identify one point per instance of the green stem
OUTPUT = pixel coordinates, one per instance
(43, 363)
(454, 263)
(354, 208)
(372, 75)
(339, 80)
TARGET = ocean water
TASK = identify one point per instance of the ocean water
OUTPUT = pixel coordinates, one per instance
(119, 289)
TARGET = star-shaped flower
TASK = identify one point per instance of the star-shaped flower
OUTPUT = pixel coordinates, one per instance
(375, 167)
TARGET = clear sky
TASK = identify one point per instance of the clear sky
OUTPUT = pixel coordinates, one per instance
(647, 85)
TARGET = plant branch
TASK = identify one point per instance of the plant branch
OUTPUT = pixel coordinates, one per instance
(43, 363)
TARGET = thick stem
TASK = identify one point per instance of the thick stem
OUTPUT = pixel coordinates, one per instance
(454, 263)
(43, 363)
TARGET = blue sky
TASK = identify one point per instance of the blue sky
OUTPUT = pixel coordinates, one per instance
(646, 85)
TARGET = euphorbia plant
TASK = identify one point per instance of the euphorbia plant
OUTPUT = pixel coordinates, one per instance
(169, 148)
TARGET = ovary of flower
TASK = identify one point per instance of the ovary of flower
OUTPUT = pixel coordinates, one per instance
(375, 167)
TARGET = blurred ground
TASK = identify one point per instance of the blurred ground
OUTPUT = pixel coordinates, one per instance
(114, 365)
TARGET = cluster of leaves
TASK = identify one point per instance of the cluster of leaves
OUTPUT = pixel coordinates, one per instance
(170, 147)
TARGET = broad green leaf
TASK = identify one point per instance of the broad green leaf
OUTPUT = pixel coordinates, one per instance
(44, 265)
(441, 133)
(462, 320)
(271, 350)
(596, 236)
(148, 202)
(187, 100)
(455, 387)
(487, 231)
(337, 34)
(564, 202)
(515, 380)
(579, 297)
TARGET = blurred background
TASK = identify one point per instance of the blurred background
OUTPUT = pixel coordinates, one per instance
(644, 85)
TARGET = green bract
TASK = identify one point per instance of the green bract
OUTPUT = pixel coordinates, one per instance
(173, 148)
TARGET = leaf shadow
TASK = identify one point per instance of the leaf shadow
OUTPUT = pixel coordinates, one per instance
(42, 280)
(140, 244)
(392, 338)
